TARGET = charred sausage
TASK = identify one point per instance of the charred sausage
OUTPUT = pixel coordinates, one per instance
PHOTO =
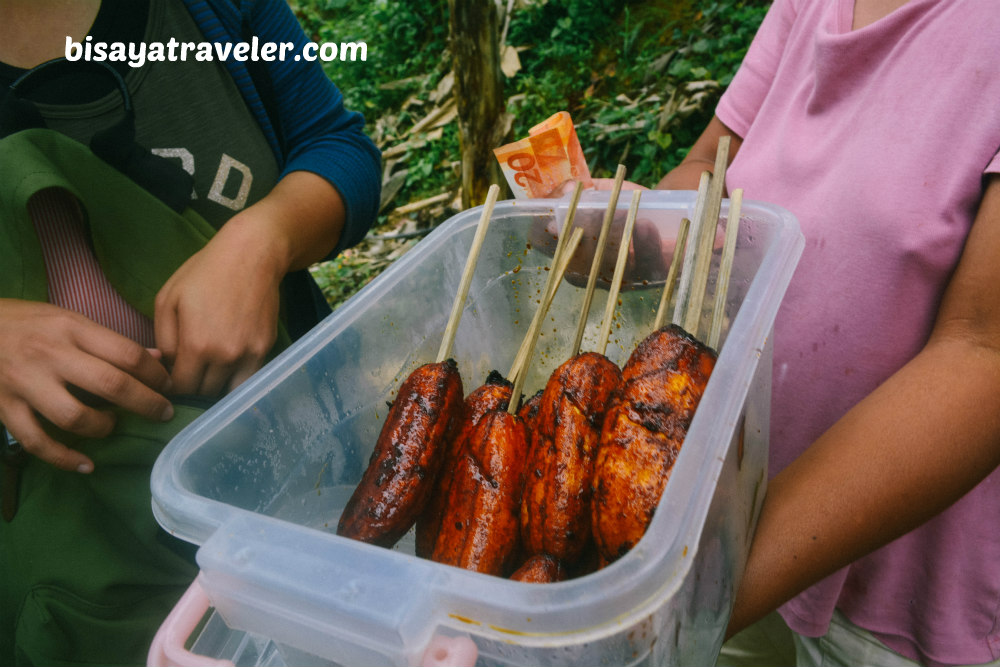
(401, 471)
(494, 394)
(479, 528)
(662, 384)
(555, 510)
(540, 569)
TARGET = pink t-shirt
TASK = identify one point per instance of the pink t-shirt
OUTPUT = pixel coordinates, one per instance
(877, 140)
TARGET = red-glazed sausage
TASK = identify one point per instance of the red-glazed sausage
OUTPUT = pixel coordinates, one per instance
(555, 510)
(662, 384)
(401, 472)
(494, 394)
(480, 526)
(540, 569)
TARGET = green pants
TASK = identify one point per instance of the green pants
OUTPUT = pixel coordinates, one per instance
(88, 574)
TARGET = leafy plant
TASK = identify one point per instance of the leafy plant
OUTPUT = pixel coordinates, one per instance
(641, 80)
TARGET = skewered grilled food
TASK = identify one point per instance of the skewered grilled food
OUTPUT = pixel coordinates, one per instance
(528, 412)
(662, 384)
(555, 510)
(400, 476)
(494, 394)
(479, 528)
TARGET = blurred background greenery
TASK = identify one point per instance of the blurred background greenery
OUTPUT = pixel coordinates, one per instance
(639, 77)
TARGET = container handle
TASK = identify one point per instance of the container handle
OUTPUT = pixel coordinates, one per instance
(167, 649)
(450, 652)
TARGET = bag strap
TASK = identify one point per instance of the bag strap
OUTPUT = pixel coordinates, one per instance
(115, 144)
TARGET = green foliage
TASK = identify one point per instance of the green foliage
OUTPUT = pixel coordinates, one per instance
(617, 66)
(641, 80)
(407, 56)
(341, 277)
(406, 38)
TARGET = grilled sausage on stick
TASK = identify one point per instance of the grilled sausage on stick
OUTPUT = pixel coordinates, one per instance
(555, 510)
(479, 526)
(662, 384)
(396, 485)
(404, 464)
(491, 396)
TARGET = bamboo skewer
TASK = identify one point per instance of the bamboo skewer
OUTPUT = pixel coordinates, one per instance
(574, 201)
(595, 265)
(725, 268)
(616, 281)
(684, 288)
(551, 282)
(706, 239)
(672, 273)
(470, 266)
(559, 270)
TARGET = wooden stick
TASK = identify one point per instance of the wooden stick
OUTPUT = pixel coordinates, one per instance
(550, 282)
(668, 287)
(706, 239)
(574, 200)
(725, 268)
(687, 270)
(559, 269)
(595, 265)
(616, 281)
(470, 266)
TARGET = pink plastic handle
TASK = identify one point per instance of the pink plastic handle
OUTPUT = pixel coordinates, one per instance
(167, 649)
(450, 652)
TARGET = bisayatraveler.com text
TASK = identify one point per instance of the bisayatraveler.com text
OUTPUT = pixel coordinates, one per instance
(137, 54)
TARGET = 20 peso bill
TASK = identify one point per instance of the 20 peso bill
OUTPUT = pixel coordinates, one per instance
(544, 160)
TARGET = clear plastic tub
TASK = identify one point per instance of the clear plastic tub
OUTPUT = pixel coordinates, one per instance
(260, 480)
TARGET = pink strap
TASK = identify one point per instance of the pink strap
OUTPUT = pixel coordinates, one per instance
(167, 649)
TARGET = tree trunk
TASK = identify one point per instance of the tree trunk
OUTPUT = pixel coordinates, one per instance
(483, 122)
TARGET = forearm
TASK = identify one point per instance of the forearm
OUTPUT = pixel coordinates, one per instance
(700, 158)
(904, 454)
(297, 224)
(685, 176)
(217, 316)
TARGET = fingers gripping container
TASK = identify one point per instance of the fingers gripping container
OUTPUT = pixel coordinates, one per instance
(261, 479)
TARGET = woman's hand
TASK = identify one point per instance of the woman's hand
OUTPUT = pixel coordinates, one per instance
(58, 366)
(216, 318)
(648, 258)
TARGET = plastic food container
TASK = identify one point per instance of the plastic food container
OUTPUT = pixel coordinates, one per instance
(260, 480)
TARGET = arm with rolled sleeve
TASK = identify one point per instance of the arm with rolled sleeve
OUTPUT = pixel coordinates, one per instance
(216, 318)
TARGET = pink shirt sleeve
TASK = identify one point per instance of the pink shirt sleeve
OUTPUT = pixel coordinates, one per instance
(994, 166)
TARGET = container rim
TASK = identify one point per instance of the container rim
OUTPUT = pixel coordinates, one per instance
(187, 515)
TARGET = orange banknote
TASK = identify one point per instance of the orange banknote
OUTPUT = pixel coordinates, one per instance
(548, 157)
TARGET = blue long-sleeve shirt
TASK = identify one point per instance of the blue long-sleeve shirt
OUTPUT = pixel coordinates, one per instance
(320, 135)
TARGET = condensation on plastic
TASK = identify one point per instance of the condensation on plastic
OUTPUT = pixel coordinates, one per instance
(259, 481)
